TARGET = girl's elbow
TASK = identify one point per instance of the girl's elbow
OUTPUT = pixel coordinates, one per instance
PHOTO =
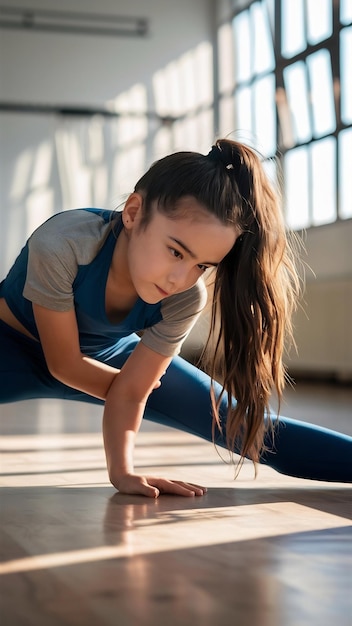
(57, 371)
(62, 371)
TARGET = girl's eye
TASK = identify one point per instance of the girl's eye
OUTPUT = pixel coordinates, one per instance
(175, 253)
(203, 268)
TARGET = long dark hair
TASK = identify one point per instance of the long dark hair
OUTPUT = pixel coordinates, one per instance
(256, 284)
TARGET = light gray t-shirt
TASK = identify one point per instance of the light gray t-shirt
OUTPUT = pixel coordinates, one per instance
(71, 240)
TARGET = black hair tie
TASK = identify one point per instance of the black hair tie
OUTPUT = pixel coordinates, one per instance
(216, 154)
(233, 165)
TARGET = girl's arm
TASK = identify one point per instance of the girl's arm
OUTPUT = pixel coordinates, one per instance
(59, 338)
(125, 392)
(124, 409)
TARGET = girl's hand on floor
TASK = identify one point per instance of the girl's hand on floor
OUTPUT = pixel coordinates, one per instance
(153, 487)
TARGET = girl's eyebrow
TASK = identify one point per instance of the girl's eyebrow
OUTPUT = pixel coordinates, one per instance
(191, 254)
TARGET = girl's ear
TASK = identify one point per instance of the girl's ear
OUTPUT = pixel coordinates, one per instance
(132, 210)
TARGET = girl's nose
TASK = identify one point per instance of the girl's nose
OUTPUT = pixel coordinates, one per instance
(178, 277)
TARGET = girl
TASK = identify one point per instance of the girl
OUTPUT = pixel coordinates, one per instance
(87, 280)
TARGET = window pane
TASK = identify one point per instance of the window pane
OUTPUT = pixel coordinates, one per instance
(320, 75)
(242, 39)
(263, 60)
(346, 75)
(296, 175)
(345, 178)
(319, 26)
(292, 27)
(265, 114)
(346, 11)
(295, 79)
(269, 7)
(323, 155)
(244, 110)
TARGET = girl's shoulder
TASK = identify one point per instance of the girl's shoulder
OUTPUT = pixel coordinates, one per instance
(57, 249)
(80, 232)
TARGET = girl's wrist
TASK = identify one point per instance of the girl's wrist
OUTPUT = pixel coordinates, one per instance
(118, 471)
(118, 478)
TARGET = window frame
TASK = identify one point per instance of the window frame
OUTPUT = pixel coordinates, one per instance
(331, 43)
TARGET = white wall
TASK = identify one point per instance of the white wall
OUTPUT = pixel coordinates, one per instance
(61, 68)
(49, 163)
(323, 326)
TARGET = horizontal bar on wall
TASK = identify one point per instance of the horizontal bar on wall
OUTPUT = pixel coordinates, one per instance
(71, 22)
(80, 111)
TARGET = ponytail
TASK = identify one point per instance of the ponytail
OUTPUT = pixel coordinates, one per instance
(256, 284)
(255, 292)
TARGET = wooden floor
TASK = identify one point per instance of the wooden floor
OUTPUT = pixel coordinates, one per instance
(275, 551)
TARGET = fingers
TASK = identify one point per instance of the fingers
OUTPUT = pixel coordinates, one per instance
(189, 489)
(135, 485)
(199, 488)
(149, 491)
(153, 487)
(146, 489)
(177, 487)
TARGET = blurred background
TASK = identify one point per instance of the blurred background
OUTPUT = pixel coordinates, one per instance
(92, 92)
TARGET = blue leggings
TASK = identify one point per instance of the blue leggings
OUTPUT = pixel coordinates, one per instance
(183, 402)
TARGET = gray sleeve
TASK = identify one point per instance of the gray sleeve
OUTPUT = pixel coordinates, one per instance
(55, 250)
(180, 313)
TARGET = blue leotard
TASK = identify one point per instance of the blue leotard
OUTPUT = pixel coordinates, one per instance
(183, 401)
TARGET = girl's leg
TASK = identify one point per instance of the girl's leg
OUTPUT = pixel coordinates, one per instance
(299, 449)
(183, 402)
(308, 451)
(24, 374)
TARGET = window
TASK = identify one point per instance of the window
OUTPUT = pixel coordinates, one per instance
(345, 169)
(289, 93)
(255, 116)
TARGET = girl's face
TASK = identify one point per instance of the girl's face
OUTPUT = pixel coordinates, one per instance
(168, 256)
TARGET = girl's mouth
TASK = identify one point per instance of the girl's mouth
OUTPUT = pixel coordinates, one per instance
(162, 292)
